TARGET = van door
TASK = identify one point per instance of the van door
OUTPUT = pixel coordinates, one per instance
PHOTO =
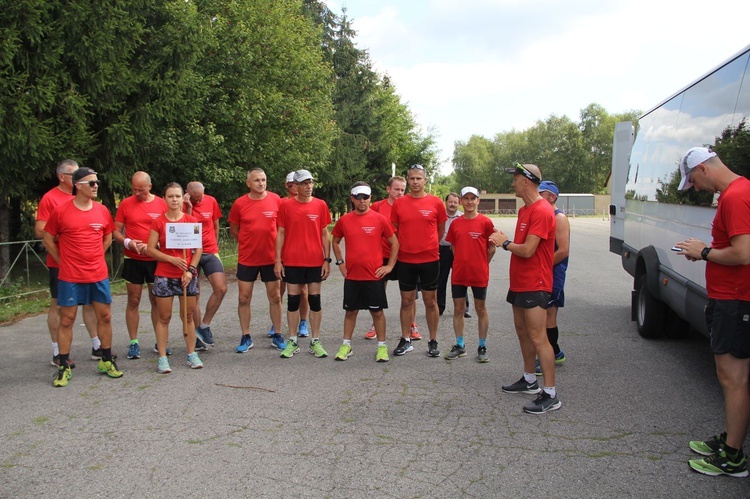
(622, 144)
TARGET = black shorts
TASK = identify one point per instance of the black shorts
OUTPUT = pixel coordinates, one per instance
(458, 291)
(426, 273)
(728, 324)
(529, 299)
(164, 287)
(53, 273)
(557, 299)
(302, 275)
(393, 274)
(138, 271)
(250, 274)
(210, 264)
(364, 295)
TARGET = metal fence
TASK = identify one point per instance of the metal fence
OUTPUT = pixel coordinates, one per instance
(27, 273)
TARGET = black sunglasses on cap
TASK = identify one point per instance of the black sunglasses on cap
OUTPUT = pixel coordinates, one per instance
(360, 197)
(521, 170)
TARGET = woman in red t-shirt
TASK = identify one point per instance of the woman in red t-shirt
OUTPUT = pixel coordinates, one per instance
(175, 275)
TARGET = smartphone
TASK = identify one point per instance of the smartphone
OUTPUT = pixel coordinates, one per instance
(675, 248)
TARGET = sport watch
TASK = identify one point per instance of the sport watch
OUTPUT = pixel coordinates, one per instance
(339, 262)
(327, 260)
(704, 253)
(506, 243)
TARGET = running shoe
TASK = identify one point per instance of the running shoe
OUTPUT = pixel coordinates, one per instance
(162, 366)
(708, 447)
(316, 348)
(194, 361)
(62, 376)
(56, 362)
(204, 334)
(278, 341)
(109, 368)
(156, 349)
(344, 352)
(246, 343)
(537, 368)
(199, 346)
(560, 358)
(302, 330)
(720, 464)
(432, 349)
(371, 334)
(414, 332)
(543, 403)
(271, 332)
(134, 350)
(96, 353)
(482, 355)
(521, 386)
(290, 350)
(455, 352)
(382, 355)
(403, 347)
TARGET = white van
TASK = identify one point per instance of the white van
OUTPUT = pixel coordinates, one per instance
(648, 215)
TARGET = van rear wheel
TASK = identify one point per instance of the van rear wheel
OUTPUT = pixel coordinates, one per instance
(650, 312)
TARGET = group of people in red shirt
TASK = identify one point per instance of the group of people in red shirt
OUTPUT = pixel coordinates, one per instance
(286, 243)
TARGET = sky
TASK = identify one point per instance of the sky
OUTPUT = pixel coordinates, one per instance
(482, 67)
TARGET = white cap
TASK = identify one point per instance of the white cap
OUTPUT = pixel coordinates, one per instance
(361, 189)
(693, 157)
(469, 190)
(302, 175)
(290, 177)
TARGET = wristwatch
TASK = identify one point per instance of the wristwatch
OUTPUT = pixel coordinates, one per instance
(704, 253)
(327, 260)
(506, 243)
(339, 262)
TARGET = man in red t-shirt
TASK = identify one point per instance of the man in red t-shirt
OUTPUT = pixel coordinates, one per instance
(532, 250)
(252, 222)
(303, 257)
(304, 307)
(206, 209)
(395, 189)
(728, 310)
(420, 219)
(77, 235)
(363, 230)
(133, 220)
(468, 236)
(62, 193)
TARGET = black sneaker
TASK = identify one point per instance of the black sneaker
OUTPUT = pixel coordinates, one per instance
(403, 347)
(96, 354)
(543, 403)
(432, 349)
(521, 386)
(455, 353)
(200, 346)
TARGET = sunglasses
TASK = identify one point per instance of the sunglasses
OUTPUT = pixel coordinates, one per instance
(416, 167)
(360, 197)
(91, 183)
(521, 170)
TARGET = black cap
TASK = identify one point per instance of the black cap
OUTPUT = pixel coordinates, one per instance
(82, 172)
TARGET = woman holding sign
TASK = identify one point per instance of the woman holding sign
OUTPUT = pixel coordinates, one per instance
(175, 273)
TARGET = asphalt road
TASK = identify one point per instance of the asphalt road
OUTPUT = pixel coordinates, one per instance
(412, 427)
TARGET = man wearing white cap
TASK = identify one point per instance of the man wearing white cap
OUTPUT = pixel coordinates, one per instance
(304, 307)
(303, 252)
(728, 310)
(532, 250)
(469, 239)
(363, 271)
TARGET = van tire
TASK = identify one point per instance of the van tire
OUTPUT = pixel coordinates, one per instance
(650, 312)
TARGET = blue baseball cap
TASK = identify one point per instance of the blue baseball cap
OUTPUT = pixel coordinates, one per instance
(549, 186)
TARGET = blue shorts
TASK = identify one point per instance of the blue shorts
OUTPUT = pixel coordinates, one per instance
(557, 299)
(72, 294)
